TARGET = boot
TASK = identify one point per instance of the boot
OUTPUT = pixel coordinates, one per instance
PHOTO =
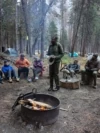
(57, 88)
(10, 80)
(50, 89)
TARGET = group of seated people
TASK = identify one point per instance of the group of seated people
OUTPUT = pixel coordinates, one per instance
(89, 73)
(23, 65)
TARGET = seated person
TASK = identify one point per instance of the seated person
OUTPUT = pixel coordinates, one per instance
(8, 71)
(91, 69)
(23, 65)
(37, 67)
(73, 68)
(1, 77)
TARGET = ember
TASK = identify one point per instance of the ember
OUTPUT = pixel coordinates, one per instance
(35, 105)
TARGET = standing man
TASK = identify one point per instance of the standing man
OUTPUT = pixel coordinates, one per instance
(23, 65)
(55, 54)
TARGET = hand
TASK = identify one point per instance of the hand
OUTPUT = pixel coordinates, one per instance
(93, 69)
(87, 68)
(52, 56)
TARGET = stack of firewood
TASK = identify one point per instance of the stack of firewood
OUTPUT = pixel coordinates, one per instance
(35, 105)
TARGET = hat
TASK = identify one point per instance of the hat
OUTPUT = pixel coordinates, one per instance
(96, 55)
(55, 38)
(22, 55)
(5, 61)
(36, 58)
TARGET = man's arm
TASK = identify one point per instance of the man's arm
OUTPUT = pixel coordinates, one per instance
(68, 67)
(78, 68)
(17, 63)
(48, 53)
(97, 68)
(28, 63)
(61, 53)
(87, 65)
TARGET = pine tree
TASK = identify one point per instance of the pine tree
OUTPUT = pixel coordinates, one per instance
(53, 31)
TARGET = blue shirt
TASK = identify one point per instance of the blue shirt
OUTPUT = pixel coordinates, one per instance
(7, 68)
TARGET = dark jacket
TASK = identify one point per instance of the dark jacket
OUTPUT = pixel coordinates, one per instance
(56, 50)
(92, 65)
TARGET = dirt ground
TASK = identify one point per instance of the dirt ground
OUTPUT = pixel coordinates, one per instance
(82, 115)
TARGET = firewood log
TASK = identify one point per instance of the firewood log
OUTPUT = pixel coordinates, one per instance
(36, 103)
(35, 108)
(23, 102)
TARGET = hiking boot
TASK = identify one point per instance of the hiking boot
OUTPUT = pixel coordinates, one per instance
(95, 86)
(10, 80)
(82, 83)
(50, 89)
(57, 88)
(17, 79)
(1, 82)
(29, 80)
(36, 78)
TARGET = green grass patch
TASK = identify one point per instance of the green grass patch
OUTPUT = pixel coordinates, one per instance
(66, 59)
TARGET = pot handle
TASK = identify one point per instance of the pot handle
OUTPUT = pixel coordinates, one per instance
(34, 91)
(21, 96)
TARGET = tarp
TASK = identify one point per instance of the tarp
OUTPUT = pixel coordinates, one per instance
(75, 54)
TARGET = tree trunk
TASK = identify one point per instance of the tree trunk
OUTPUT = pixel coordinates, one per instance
(43, 28)
(1, 26)
(62, 24)
(24, 7)
(76, 32)
(20, 40)
(16, 21)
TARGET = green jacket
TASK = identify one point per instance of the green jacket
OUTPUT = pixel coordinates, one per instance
(57, 51)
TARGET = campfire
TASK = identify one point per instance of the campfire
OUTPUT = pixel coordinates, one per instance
(38, 108)
(35, 105)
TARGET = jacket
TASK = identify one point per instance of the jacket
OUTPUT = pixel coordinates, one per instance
(74, 67)
(93, 65)
(7, 68)
(22, 63)
(38, 64)
(56, 50)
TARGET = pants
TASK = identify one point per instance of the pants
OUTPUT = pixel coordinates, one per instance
(0, 76)
(90, 75)
(10, 74)
(24, 70)
(36, 71)
(53, 73)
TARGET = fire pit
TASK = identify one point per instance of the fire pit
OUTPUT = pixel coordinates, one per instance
(44, 117)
